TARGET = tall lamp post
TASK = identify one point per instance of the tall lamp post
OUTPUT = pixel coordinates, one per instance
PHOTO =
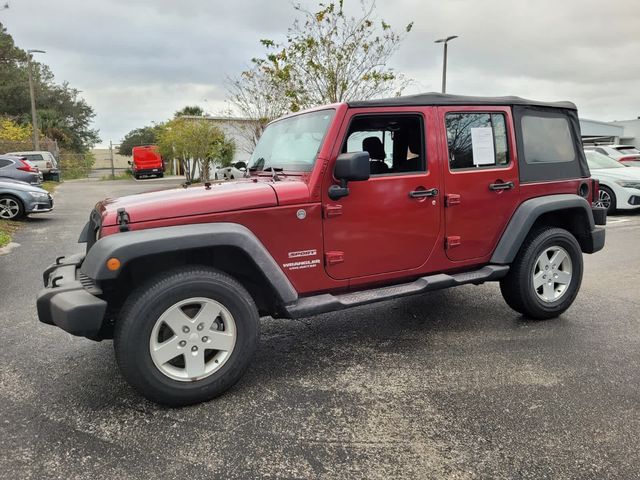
(34, 119)
(444, 62)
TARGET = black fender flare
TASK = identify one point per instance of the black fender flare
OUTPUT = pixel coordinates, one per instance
(126, 246)
(526, 215)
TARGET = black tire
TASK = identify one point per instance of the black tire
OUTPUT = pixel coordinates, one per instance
(145, 306)
(160, 175)
(11, 201)
(517, 287)
(136, 176)
(613, 204)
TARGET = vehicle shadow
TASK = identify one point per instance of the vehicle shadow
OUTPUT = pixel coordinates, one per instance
(321, 349)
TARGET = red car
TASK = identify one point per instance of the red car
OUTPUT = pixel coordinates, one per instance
(344, 205)
(146, 162)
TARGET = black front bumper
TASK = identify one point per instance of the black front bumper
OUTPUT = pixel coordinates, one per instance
(70, 299)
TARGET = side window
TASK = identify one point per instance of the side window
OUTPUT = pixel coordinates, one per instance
(395, 142)
(476, 140)
(547, 139)
(4, 163)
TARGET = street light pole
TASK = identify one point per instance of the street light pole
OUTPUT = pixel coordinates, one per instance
(444, 61)
(34, 119)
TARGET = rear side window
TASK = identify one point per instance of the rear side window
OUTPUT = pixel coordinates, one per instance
(476, 140)
(547, 140)
(4, 163)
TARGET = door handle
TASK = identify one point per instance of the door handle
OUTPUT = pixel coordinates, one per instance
(501, 186)
(432, 192)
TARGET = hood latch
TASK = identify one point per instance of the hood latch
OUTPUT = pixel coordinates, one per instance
(123, 220)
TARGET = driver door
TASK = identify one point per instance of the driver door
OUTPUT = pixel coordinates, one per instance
(389, 223)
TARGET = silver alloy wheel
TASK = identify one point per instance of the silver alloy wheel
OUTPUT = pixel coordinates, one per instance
(552, 274)
(604, 199)
(192, 339)
(9, 208)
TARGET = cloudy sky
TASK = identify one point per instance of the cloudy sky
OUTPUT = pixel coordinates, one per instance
(138, 61)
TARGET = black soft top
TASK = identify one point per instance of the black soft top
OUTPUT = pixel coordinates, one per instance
(441, 99)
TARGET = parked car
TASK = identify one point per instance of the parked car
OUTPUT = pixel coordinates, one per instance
(345, 205)
(619, 185)
(20, 198)
(236, 170)
(45, 161)
(626, 154)
(19, 168)
(146, 162)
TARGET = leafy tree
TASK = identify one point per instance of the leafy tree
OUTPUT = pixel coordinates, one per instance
(198, 144)
(137, 137)
(189, 111)
(328, 57)
(258, 99)
(14, 132)
(63, 115)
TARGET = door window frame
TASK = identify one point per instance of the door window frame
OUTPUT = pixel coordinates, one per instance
(511, 141)
(342, 138)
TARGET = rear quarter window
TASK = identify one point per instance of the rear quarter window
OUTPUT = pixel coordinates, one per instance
(549, 144)
(547, 140)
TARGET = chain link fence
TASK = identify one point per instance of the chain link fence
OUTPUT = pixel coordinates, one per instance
(71, 165)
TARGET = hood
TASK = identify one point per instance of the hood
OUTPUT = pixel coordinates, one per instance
(19, 185)
(628, 173)
(193, 200)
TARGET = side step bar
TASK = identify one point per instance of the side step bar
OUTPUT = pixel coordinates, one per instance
(326, 302)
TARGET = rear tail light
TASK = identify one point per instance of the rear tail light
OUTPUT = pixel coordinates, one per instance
(634, 158)
(25, 167)
(49, 165)
(595, 190)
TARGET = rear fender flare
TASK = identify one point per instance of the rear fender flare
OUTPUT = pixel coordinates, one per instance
(525, 217)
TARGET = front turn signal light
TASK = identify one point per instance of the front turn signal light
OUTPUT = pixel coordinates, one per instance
(113, 264)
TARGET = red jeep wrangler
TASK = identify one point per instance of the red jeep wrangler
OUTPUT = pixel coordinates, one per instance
(342, 205)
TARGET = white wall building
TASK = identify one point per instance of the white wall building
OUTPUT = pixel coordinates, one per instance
(625, 132)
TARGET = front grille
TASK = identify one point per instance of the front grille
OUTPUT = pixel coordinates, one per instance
(88, 284)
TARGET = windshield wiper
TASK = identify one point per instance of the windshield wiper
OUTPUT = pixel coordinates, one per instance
(257, 165)
(274, 172)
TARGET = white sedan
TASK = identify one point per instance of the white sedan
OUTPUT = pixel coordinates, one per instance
(619, 185)
(627, 154)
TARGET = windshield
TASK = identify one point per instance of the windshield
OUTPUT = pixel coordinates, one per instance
(628, 150)
(34, 157)
(292, 143)
(598, 161)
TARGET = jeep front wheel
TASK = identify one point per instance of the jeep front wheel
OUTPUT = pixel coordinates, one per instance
(545, 276)
(186, 336)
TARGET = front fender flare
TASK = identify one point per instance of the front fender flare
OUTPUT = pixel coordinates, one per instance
(127, 246)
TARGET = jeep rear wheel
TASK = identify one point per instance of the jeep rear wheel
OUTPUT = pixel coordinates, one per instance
(186, 336)
(545, 276)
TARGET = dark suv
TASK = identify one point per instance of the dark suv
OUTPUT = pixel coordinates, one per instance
(342, 205)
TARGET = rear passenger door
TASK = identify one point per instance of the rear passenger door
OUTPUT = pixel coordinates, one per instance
(481, 187)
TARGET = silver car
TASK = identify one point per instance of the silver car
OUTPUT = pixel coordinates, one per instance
(19, 198)
(18, 168)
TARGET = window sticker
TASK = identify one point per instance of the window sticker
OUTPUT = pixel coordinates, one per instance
(482, 145)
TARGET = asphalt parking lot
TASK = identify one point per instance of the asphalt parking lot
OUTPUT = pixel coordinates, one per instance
(451, 384)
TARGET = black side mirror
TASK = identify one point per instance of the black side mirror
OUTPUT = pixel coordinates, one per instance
(350, 167)
(129, 162)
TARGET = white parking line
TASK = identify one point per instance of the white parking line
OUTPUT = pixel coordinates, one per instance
(617, 220)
